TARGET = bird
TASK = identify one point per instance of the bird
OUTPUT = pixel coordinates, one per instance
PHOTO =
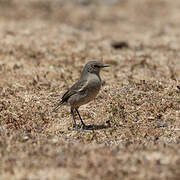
(84, 90)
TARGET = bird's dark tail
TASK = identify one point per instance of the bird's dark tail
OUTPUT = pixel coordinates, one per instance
(57, 107)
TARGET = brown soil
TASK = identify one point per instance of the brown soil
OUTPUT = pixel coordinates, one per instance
(43, 46)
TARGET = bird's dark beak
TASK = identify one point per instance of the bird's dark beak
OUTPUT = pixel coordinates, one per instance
(105, 65)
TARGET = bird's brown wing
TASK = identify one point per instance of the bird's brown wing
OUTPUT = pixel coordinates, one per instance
(80, 86)
(77, 87)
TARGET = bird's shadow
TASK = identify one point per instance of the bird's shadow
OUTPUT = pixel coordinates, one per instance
(96, 127)
(92, 127)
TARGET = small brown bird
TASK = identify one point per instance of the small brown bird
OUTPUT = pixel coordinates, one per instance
(84, 90)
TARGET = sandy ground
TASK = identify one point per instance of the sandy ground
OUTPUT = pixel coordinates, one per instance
(43, 47)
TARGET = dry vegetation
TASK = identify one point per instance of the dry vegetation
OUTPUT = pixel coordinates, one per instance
(43, 47)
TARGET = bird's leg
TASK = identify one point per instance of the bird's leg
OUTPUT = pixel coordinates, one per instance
(74, 119)
(80, 117)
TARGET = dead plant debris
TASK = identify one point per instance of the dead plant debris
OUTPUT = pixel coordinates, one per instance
(135, 119)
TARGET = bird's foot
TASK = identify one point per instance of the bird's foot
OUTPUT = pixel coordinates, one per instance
(87, 127)
(83, 126)
(76, 127)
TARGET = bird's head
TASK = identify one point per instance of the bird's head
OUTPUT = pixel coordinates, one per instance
(94, 67)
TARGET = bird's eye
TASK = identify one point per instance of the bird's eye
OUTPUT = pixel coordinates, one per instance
(96, 66)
